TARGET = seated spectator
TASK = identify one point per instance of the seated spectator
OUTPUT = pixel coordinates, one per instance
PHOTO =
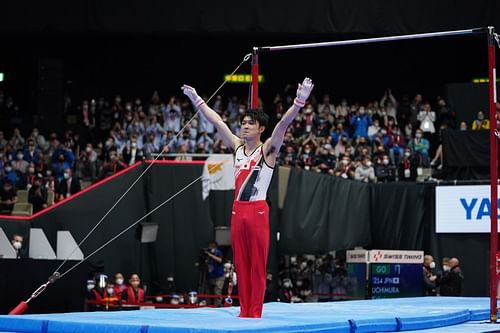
(480, 123)
(68, 186)
(306, 158)
(59, 165)
(112, 166)
(119, 286)
(87, 163)
(31, 154)
(8, 197)
(385, 171)
(345, 169)
(37, 195)
(29, 178)
(339, 133)
(364, 172)
(20, 164)
(134, 294)
(420, 148)
(17, 243)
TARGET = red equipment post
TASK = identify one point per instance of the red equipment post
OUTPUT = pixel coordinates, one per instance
(255, 79)
(493, 176)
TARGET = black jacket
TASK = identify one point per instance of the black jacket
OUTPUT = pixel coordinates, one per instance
(450, 284)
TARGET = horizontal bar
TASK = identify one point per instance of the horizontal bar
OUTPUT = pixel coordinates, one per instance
(374, 40)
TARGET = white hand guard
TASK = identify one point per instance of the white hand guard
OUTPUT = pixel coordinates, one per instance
(190, 92)
(303, 92)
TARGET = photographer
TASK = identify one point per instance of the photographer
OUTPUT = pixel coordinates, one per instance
(215, 272)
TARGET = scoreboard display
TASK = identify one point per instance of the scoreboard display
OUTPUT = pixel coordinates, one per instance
(395, 280)
(388, 273)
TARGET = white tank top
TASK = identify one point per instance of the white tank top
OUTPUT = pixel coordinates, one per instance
(252, 175)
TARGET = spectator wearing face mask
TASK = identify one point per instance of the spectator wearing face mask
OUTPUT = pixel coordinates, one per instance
(59, 165)
(119, 286)
(429, 276)
(360, 122)
(345, 168)
(20, 164)
(463, 126)
(37, 195)
(68, 186)
(132, 153)
(450, 284)
(134, 294)
(87, 163)
(306, 157)
(17, 243)
(480, 123)
(8, 197)
(385, 171)
(29, 178)
(420, 147)
(427, 118)
(112, 166)
(339, 133)
(407, 170)
(365, 172)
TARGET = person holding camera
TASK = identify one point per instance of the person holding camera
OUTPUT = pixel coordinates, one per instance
(215, 272)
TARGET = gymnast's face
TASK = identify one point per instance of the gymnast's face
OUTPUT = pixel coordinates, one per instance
(250, 128)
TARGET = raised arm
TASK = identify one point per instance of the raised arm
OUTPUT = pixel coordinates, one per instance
(229, 139)
(273, 144)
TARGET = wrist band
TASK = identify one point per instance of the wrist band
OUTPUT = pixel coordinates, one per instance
(199, 102)
(299, 103)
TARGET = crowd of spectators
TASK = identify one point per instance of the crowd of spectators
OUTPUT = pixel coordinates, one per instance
(319, 278)
(381, 141)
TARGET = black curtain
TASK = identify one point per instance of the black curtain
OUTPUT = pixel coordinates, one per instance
(398, 216)
(185, 225)
(466, 155)
(323, 213)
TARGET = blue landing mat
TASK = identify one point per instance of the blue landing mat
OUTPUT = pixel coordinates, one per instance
(403, 314)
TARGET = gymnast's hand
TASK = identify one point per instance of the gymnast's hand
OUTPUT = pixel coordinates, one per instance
(190, 92)
(303, 91)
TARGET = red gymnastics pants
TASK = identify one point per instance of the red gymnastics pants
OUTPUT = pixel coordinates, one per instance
(250, 243)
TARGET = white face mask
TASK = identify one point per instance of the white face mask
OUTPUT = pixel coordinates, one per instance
(418, 135)
(110, 290)
(407, 154)
(88, 149)
(17, 245)
(66, 175)
(90, 287)
(134, 144)
(432, 265)
(446, 268)
(368, 164)
(19, 156)
(385, 162)
(119, 281)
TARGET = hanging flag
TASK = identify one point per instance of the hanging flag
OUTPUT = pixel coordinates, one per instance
(218, 174)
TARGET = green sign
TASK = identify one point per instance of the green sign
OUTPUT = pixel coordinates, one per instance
(241, 78)
(1, 77)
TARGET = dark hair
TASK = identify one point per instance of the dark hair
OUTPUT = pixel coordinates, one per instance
(257, 115)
